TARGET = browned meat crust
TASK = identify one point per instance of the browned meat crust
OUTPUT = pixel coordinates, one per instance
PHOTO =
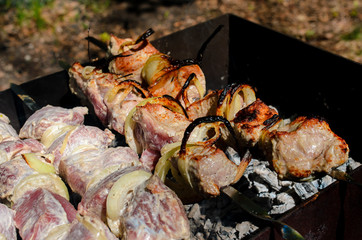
(304, 147)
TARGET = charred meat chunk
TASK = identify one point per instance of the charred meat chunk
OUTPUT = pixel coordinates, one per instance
(303, 147)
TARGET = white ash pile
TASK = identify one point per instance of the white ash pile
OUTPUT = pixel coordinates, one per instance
(220, 218)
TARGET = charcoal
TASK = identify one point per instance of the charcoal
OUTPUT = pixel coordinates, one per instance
(194, 212)
(351, 165)
(323, 182)
(283, 203)
(218, 218)
(245, 228)
(305, 190)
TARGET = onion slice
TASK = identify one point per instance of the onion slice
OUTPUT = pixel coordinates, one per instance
(58, 232)
(49, 181)
(129, 126)
(156, 66)
(119, 194)
(36, 162)
(53, 132)
(234, 98)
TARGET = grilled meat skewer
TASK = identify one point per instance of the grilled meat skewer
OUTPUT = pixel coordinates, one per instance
(72, 167)
(296, 150)
(161, 75)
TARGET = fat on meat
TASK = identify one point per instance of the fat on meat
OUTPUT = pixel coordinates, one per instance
(11, 173)
(79, 139)
(37, 123)
(39, 211)
(7, 132)
(12, 149)
(154, 212)
(79, 169)
(7, 224)
(303, 147)
(156, 126)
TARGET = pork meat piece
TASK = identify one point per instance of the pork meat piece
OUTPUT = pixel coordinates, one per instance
(154, 212)
(11, 149)
(7, 224)
(134, 56)
(94, 200)
(79, 139)
(172, 82)
(93, 85)
(79, 169)
(203, 107)
(36, 124)
(11, 173)
(7, 132)
(305, 146)
(119, 108)
(156, 126)
(209, 169)
(250, 122)
(101, 89)
(51, 211)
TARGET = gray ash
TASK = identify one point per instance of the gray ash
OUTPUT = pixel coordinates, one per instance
(219, 218)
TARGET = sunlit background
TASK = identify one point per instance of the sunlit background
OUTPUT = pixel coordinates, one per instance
(35, 35)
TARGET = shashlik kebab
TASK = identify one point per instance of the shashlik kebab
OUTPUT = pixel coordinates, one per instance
(148, 127)
(185, 101)
(113, 98)
(159, 136)
(297, 149)
(137, 71)
(83, 170)
(254, 122)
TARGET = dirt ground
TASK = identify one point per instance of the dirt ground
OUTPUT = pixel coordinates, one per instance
(33, 44)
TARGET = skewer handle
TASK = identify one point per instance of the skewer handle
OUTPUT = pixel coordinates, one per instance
(27, 100)
(342, 176)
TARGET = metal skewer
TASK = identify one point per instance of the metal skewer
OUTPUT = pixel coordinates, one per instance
(255, 210)
(27, 100)
(343, 176)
